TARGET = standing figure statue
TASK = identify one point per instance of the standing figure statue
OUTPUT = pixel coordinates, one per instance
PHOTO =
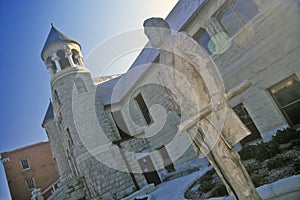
(212, 125)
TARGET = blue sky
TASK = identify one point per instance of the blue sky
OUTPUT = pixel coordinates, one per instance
(25, 82)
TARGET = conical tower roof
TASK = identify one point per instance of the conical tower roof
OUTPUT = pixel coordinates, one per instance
(56, 35)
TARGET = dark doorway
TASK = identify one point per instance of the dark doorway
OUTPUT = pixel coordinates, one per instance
(149, 171)
(168, 163)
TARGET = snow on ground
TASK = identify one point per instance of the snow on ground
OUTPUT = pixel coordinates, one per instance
(174, 189)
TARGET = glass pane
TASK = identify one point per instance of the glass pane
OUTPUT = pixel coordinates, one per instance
(288, 94)
(253, 136)
(204, 39)
(230, 21)
(293, 111)
(246, 9)
(243, 114)
(24, 163)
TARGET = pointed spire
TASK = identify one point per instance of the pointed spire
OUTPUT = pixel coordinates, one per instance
(56, 35)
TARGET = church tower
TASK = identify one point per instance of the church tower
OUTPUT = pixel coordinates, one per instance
(77, 124)
(64, 61)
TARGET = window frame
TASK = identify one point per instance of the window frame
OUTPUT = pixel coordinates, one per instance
(279, 106)
(22, 165)
(197, 36)
(249, 123)
(32, 182)
(230, 5)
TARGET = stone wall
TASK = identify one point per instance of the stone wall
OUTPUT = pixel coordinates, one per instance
(87, 140)
(57, 149)
(161, 132)
(265, 51)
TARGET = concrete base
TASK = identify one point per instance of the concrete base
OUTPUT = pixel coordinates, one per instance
(142, 193)
(287, 188)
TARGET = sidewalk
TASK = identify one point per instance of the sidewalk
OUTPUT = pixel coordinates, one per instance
(287, 188)
(174, 189)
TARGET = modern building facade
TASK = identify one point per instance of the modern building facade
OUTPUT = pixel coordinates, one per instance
(28, 168)
(112, 136)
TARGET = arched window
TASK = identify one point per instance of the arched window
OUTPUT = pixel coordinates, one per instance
(68, 154)
(56, 98)
(70, 141)
(63, 61)
(51, 65)
(75, 57)
(80, 85)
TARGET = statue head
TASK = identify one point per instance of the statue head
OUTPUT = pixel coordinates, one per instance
(157, 30)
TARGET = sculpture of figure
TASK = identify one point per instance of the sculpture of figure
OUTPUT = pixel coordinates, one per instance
(212, 125)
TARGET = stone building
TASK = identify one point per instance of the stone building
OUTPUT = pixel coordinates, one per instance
(111, 136)
(29, 167)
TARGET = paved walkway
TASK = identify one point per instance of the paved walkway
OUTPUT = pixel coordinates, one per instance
(287, 188)
(174, 189)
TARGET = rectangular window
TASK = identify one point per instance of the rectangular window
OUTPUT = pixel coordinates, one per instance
(204, 39)
(287, 96)
(30, 183)
(24, 163)
(143, 107)
(243, 114)
(121, 125)
(237, 14)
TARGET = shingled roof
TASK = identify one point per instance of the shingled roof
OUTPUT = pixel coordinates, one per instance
(49, 114)
(56, 35)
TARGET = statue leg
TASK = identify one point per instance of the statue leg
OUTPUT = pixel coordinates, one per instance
(228, 166)
(234, 171)
(200, 147)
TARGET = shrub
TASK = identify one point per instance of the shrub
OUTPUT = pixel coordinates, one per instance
(206, 187)
(261, 151)
(208, 176)
(258, 179)
(295, 143)
(277, 161)
(266, 150)
(252, 167)
(219, 191)
(297, 165)
(207, 183)
(286, 135)
(248, 152)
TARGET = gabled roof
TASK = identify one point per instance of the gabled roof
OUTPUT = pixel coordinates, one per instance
(49, 114)
(114, 90)
(56, 35)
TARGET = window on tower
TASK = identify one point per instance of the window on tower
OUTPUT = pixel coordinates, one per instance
(63, 61)
(51, 65)
(75, 57)
(56, 98)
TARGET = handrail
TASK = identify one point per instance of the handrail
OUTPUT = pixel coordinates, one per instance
(50, 186)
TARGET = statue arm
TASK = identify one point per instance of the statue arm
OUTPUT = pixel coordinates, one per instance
(190, 50)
